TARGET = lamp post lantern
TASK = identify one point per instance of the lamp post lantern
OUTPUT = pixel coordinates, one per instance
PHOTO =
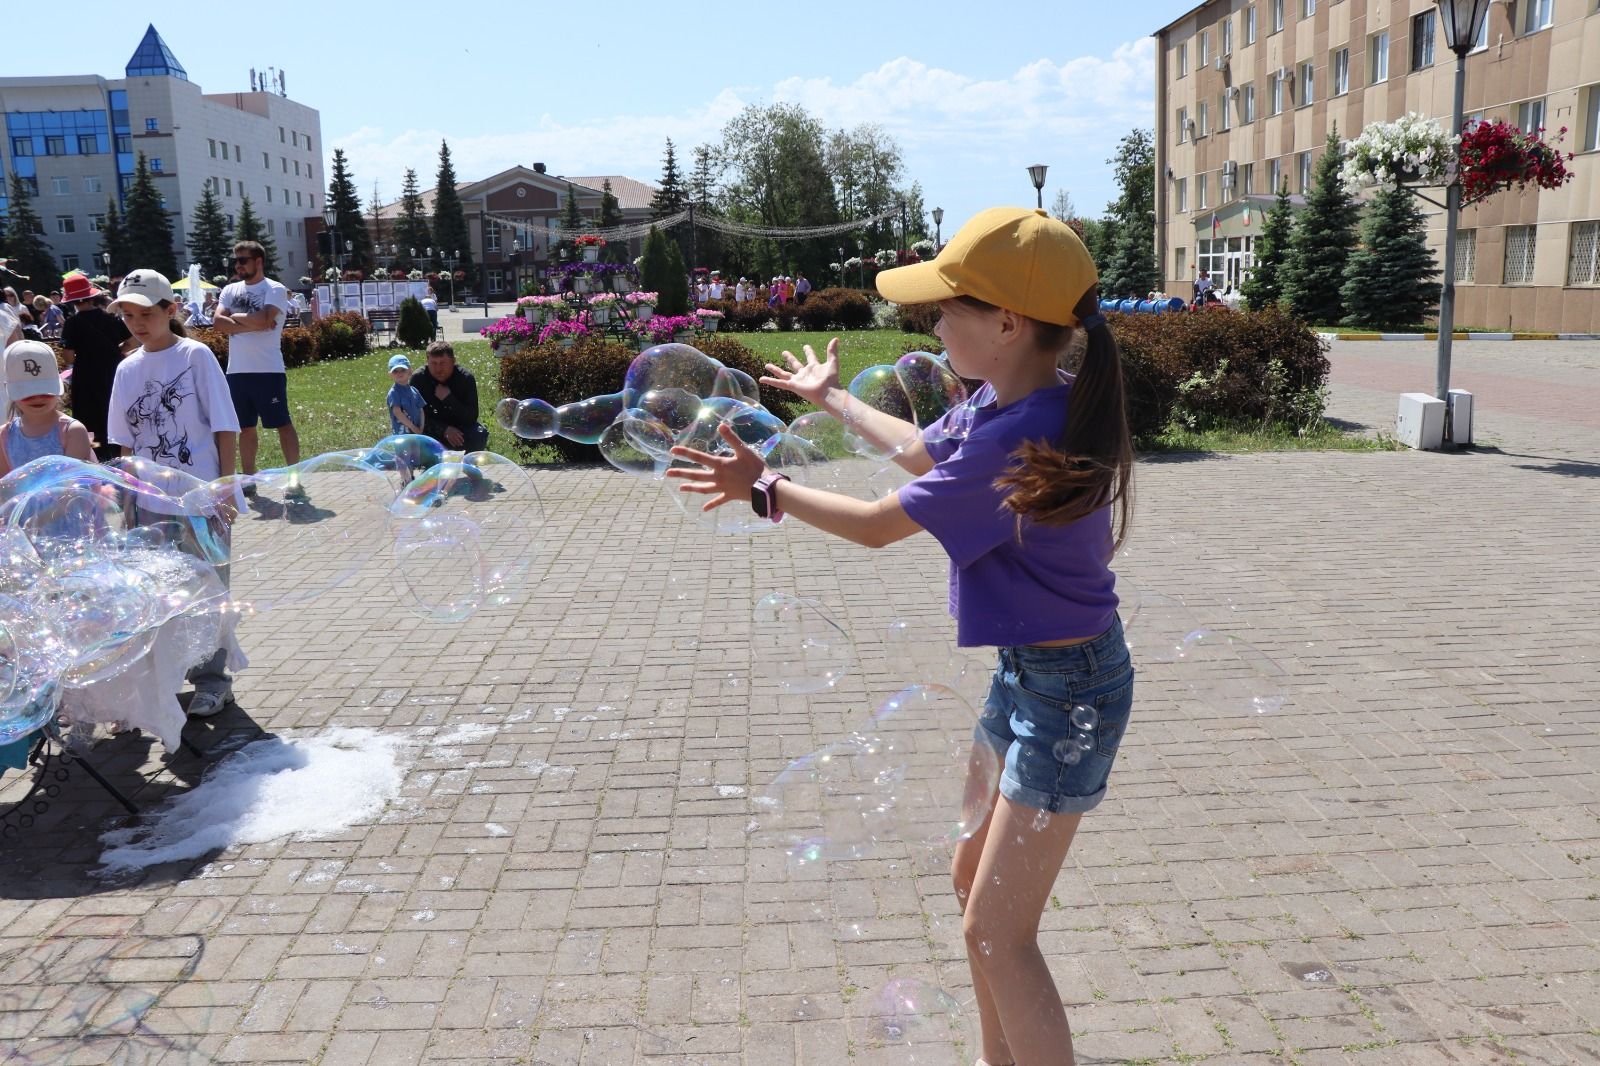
(329, 219)
(938, 220)
(1461, 20)
(450, 268)
(841, 266)
(1036, 172)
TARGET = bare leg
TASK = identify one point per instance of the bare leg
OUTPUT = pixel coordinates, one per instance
(1022, 855)
(248, 442)
(289, 440)
(963, 872)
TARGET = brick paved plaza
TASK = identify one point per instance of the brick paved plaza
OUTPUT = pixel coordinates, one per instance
(1401, 865)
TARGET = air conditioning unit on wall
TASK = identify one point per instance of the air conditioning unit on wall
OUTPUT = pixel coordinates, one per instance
(1222, 62)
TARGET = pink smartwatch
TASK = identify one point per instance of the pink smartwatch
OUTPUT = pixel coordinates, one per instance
(763, 498)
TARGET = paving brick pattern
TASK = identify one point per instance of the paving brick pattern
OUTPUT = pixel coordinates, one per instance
(1400, 865)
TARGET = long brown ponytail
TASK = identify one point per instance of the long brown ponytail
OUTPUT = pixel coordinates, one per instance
(1093, 465)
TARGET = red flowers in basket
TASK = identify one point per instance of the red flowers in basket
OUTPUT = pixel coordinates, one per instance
(589, 240)
(1497, 155)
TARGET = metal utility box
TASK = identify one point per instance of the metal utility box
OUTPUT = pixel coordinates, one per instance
(1460, 416)
(1420, 421)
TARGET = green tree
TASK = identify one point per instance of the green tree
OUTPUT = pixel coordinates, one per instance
(411, 229)
(251, 229)
(1392, 281)
(772, 156)
(147, 226)
(449, 220)
(1264, 287)
(866, 169)
(615, 251)
(661, 271)
(671, 197)
(1319, 247)
(25, 244)
(414, 329)
(1130, 264)
(573, 224)
(1097, 234)
(114, 240)
(347, 215)
(916, 214)
(674, 291)
(209, 243)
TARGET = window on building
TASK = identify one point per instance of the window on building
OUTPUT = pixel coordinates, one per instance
(308, 170)
(60, 186)
(66, 224)
(229, 183)
(1226, 30)
(1224, 113)
(97, 223)
(1536, 14)
(124, 144)
(1341, 72)
(1202, 194)
(272, 227)
(1422, 40)
(91, 185)
(294, 138)
(1247, 104)
(297, 168)
(1183, 125)
(1183, 58)
(224, 149)
(1308, 8)
(88, 144)
(1180, 195)
(1377, 58)
(280, 135)
(1590, 135)
(1466, 256)
(211, 146)
(1530, 116)
(266, 161)
(1247, 179)
(21, 146)
(291, 255)
(308, 142)
(151, 126)
(494, 282)
(1250, 25)
(1277, 93)
(296, 197)
(269, 194)
(69, 262)
(155, 165)
(1277, 16)
(1482, 40)
(1205, 47)
(492, 240)
(1307, 87)
(1583, 260)
(1520, 241)
(1202, 119)
(1275, 174)
(55, 146)
(1305, 172)
(1180, 263)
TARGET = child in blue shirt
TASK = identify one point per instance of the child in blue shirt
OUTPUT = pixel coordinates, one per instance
(404, 402)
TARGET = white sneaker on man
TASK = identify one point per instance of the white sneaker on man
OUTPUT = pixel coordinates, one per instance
(207, 704)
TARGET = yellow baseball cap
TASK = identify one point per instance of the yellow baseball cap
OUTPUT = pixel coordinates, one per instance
(1017, 258)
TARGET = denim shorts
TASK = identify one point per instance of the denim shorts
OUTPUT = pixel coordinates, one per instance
(1050, 764)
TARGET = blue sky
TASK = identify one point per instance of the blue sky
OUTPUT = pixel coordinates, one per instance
(973, 94)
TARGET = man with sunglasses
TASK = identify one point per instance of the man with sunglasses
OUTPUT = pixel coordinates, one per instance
(251, 312)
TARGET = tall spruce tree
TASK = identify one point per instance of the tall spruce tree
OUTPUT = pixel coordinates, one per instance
(25, 244)
(1320, 246)
(450, 232)
(653, 264)
(347, 215)
(708, 243)
(573, 223)
(147, 226)
(675, 289)
(611, 215)
(1264, 287)
(1393, 276)
(209, 243)
(114, 240)
(250, 228)
(671, 198)
(411, 229)
(380, 236)
(1130, 268)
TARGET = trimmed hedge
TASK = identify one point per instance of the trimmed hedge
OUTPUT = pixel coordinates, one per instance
(337, 336)
(842, 309)
(594, 366)
(917, 318)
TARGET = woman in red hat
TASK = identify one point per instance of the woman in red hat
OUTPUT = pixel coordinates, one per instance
(93, 341)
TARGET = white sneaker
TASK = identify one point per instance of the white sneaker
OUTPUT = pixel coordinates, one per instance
(206, 704)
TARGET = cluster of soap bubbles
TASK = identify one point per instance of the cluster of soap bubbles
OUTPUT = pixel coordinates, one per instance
(675, 395)
(116, 578)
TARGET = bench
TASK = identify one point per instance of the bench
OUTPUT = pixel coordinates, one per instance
(383, 322)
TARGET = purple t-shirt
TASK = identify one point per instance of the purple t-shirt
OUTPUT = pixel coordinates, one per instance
(1047, 583)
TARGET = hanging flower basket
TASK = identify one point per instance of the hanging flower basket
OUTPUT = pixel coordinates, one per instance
(1411, 150)
(1496, 156)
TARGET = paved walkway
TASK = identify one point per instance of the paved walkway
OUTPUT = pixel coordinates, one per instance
(1400, 865)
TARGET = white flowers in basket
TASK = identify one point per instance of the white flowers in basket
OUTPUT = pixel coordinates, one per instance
(1412, 147)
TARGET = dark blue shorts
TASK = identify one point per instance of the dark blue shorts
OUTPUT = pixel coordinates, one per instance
(260, 398)
(1057, 717)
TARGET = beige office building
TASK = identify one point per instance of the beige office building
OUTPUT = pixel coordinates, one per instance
(1248, 90)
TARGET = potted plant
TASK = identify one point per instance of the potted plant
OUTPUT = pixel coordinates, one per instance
(1497, 155)
(643, 304)
(709, 320)
(601, 304)
(589, 244)
(1411, 149)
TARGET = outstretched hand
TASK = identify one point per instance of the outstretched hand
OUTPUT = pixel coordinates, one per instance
(809, 380)
(725, 478)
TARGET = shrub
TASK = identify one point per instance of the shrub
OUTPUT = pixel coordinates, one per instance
(917, 318)
(213, 339)
(835, 309)
(1212, 367)
(414, 329)
(342, 335)
(594, 366)
(743, 316)
(299, 346)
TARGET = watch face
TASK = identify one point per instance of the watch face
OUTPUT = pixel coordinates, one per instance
(758, 500)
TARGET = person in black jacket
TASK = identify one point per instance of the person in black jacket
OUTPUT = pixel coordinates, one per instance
(93, 341)
(450, 401)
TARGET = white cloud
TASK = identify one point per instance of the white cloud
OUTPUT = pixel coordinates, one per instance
(963, 136)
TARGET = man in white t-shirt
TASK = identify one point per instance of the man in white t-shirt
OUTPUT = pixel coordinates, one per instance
(251, 312)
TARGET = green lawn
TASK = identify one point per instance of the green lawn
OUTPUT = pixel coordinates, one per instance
(339, 405)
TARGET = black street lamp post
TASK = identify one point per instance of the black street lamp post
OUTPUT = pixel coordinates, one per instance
(938, 220)
(330, 218)
(1036, 172)
(450, 262)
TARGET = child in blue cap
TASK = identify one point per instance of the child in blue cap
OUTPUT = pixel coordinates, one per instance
(404, 402)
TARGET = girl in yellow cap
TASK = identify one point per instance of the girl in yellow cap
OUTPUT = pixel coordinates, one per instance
(1024, 505)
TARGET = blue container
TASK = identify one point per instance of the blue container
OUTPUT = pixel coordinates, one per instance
(1128, 306)
(1175, 304)
(1108, 305)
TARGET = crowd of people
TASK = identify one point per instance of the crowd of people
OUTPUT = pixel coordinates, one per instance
(780, 289)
